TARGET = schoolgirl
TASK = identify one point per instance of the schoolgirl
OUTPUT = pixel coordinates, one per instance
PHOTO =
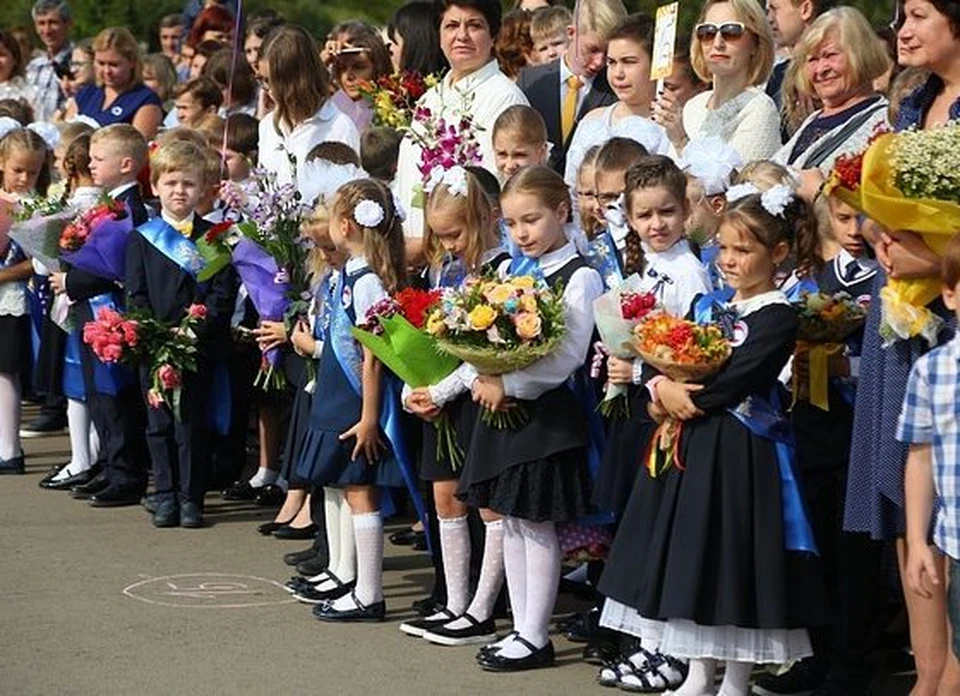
(536, 475)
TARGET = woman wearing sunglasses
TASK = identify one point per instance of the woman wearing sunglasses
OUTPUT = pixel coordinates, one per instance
(732, 47)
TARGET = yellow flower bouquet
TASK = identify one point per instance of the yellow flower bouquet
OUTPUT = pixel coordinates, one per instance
(499, 326)
(911, 181)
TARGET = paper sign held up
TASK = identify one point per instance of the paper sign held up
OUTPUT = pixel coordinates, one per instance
(664, 40)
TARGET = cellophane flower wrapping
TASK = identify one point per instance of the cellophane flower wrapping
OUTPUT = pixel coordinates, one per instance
(499, 326)
(684, 351)
(138, 338)
(37, 229)
(394, 331)
(617, 314)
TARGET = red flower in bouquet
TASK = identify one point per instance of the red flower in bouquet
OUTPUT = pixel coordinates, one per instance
(110, 335)
(75, 234)
(169, 376)
(197, 311)
(637, 305)
(413, 304)
(217, 231)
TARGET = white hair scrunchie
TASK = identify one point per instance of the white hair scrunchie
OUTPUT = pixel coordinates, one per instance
(368, 213)
(49, 132)
(8, 124)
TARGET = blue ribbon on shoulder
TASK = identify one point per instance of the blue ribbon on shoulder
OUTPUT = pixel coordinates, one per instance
(350, 359)
(601, 256)
(173, 245)
(804, 285)
(72, 372)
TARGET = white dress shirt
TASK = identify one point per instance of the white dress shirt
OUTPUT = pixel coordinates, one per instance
(485, 94)
(367, 291)
(276, 144)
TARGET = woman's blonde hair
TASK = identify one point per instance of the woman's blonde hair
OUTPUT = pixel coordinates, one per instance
(299, 81)
(163, 72)
(755, 21)
(383, 244)
(120, 39)
(473, 210)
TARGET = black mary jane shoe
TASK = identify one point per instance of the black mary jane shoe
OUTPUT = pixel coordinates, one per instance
(240, 490)
(494, 647)
(268, 528)
(359, 613)
(13, 467)
(418, 627)
(296, 533)
(311, 595)
(69, 482)
(47, 480)
(270, 495)
(405, 537)
(538, 657)
(295, 558)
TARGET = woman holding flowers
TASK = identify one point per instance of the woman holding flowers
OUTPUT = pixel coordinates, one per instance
(474, 86)
(536, 474)
(930, 39)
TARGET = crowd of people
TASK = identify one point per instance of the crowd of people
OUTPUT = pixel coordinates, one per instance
(708, 188)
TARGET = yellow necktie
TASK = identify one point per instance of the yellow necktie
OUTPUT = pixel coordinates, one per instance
(568, 114)
(184, 227)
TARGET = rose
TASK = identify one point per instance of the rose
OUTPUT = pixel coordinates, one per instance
(169, 376)
(155, 399)
(528, 303)
(110, 353)
(499, 294)
(524, 282)
(482, 317)
(197, 311)
(528, 325)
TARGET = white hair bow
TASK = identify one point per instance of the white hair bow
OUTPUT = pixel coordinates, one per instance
(711, 160)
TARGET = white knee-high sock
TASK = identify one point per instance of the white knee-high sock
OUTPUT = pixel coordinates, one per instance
(515, 566)
(700, 679)
(736, 679)
(78, 421)
(455, 544)
(332, 499)
(491, 573)
(368, 531)
(347, 567)
(94, 444)
(543, 558)
(9, 416)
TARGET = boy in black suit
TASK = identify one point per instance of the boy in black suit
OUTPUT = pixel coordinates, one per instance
(566, 89)
(117, 154)
(162, 263)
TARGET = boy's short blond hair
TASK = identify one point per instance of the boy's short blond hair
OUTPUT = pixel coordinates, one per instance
(600, 16)
(547, 22)
(123, 139)
(179, 156)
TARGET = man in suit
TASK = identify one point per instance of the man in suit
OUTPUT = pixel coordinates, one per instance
(566, 89)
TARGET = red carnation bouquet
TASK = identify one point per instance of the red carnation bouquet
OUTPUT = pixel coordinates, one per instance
(844, 180)
(137, 337)
(617, 313)
(394, 331)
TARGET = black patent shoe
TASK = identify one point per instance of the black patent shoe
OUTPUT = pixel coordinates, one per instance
(13, 466)
(268, 528)
(47, 480)
(359, 613)
(240, 490)
(538, 658)
(311, 595)
(270, 496)
(295, 558)
(296, 533)
(70, 481)
(94, 485)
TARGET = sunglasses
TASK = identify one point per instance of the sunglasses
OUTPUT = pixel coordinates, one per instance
(730, 31)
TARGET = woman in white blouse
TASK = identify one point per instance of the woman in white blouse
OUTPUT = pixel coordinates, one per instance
(474, 85)
(304, 117)
(12, 64)
(732, 47)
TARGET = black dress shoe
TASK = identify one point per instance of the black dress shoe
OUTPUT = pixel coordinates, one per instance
(268, 528)
(166, 511)
(405, 537)
(297, 557)
(94, 485)
(309, 594)
(428, 606)
(314, 566)
(359, 613)
(12, 466)
(191, 514)
(240, 490)
(420, 543)
(115, 496)
(270, 496)
(70, 481)
(600, 651)
(538, 657)
(296, 533)
(54, 471)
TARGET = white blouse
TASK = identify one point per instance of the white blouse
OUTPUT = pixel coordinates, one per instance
(485, 94)
(277, 146)
(749, 123)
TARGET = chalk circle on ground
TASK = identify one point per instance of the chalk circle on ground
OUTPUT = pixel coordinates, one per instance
(209, 591)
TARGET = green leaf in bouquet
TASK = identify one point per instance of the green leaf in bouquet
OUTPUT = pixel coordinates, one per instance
(408, 352)
(216, 256)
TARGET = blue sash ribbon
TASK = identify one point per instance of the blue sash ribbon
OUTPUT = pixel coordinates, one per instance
(764, 418)
(72, 372)
(169, 242)
(805, 285)
(109, 378)
(350, 359)
(602, 257)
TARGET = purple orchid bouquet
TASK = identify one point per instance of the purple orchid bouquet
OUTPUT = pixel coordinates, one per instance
(444, 144)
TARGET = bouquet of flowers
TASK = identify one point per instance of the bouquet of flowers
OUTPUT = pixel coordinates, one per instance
(499, 326)
(96, 241)
(36, 225)
(617, 314)
(684, 351)
(444, 144)
(844, 179)
(825, 321)
(394, 97)
(267, 253)
(911, 181)
(138, 337)
(394, 331)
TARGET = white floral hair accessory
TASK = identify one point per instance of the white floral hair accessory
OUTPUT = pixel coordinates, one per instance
(776, 200)
(80, 118)
(8, 124)
(711, 160)
(47, 131)
(735, 193)
(368, 213)
(454, 178)
(320, 179)
(398, 210)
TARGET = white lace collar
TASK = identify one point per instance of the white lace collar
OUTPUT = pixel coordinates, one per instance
(758, 302)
